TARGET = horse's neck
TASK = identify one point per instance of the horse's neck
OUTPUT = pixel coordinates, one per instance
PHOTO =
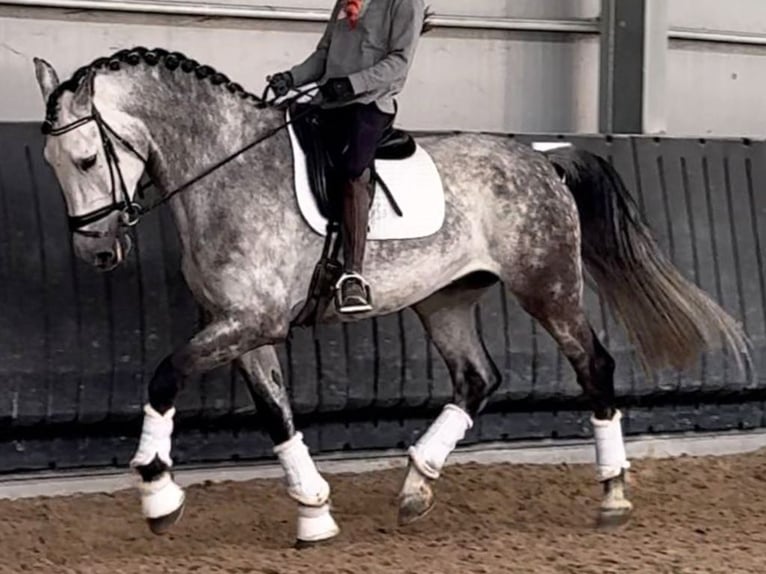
(190, 143)
(237, 189)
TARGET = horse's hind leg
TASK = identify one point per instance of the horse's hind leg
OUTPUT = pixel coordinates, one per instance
(554, 298)
(450, 320)
(263, 374)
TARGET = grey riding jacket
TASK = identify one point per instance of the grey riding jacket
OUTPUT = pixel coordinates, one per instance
(375, 56)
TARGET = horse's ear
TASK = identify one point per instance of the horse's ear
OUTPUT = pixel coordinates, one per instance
(84, 95)
(47, 77)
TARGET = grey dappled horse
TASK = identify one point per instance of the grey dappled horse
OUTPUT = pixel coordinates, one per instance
(248, 257)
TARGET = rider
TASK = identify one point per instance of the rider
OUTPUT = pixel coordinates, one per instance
(361, 63)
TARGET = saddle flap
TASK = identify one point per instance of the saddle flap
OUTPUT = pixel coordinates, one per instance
(318, 161)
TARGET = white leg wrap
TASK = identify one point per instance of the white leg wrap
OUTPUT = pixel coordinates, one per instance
(611, 459)
(155, 437)
(430, 452)
(160, 497)
(316, 523)
(304, 483)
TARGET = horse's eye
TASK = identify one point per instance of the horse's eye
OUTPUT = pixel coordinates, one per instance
(88, 162)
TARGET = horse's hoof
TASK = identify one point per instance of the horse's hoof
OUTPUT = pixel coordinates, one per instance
(610, 520)
(315, 526)
(614, 517)
(161, 525)
(414, 508)
(162, 503)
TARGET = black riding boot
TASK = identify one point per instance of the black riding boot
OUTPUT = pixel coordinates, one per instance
(354, 292)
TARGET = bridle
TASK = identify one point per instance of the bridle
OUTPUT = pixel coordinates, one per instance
(130, 211)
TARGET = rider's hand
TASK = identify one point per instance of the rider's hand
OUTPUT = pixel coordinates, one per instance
(337, 90)
(281, 83)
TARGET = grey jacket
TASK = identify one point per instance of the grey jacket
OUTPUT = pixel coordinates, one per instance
(376, 56)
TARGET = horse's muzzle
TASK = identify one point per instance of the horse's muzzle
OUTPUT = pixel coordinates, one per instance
(105, 254)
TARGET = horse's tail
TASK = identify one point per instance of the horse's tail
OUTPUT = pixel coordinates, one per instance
(669, 320)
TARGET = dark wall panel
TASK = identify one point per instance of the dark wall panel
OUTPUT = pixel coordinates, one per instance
(77, 348)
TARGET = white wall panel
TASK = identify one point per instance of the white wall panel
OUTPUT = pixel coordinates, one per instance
(461, 79)
(716, 90)
(735, 15)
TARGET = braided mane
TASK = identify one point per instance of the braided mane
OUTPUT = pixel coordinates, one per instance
(149, 57)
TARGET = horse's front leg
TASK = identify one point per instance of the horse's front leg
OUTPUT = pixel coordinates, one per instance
(263, 375)
(222, 341)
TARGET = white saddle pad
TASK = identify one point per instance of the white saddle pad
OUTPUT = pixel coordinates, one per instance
(415, 184)
(549, 146)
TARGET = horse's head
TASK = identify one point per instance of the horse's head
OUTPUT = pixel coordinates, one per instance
(96, 151)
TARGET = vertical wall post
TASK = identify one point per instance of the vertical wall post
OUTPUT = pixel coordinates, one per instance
(655, 66)
(633, 66)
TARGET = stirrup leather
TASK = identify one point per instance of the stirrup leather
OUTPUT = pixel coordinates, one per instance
(339, 291)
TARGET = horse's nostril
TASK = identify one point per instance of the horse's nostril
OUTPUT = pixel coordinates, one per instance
(105, 258)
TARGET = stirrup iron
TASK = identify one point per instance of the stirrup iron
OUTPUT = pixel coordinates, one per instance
(339, 293)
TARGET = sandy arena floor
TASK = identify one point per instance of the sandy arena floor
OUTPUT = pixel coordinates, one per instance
(692, 516)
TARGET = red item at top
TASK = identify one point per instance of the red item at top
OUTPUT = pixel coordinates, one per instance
(353, 8)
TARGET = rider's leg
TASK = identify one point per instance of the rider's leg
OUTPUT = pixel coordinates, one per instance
(367, 124)
(356, 207)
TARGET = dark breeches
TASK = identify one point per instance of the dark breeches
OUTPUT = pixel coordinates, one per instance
(353, 133)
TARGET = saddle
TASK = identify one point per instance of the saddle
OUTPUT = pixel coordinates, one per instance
(395, 144)
(324, 180)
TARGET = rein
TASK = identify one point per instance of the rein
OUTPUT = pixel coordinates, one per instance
(131, 211)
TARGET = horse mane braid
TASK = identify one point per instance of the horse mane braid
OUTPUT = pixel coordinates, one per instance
(134, 57)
